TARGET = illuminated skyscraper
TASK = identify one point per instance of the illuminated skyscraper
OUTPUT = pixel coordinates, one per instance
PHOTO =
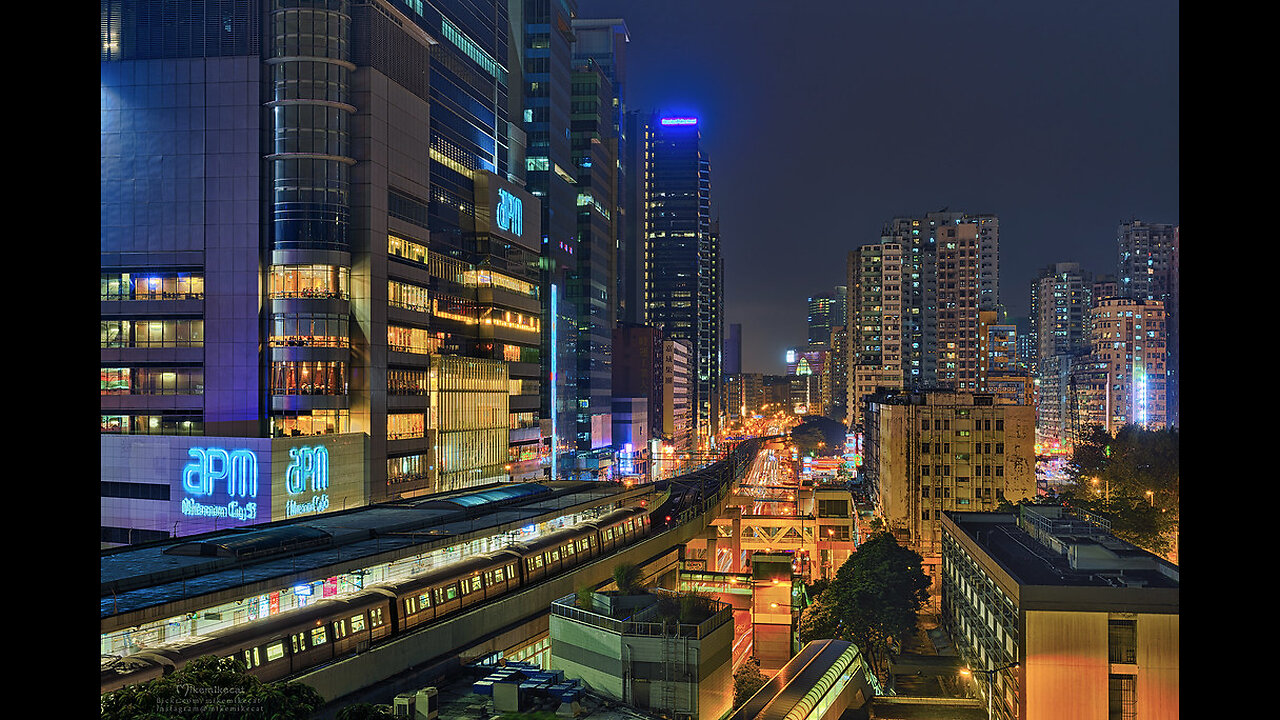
(683, 286)
(314, 243)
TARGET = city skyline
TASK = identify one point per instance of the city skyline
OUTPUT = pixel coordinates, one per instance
(1061, 120)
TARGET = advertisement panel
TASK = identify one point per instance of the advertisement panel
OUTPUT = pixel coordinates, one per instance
(505, 210)
(188, 485)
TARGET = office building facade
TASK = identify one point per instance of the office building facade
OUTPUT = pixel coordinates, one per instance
(683, 270)
(307, 208)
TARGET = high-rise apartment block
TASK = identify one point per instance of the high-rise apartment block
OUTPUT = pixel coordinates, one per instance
(875, 316)
(1050, 611)
(1129, 338)
(934, 275)
(683, 271)
(316, 251)
(1147, 269)
(1061, 297)
(1061, 300)
(930, 452)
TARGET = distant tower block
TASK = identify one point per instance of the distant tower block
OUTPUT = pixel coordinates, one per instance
(773, 627)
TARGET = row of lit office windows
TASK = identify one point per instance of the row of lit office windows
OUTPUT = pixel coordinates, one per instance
(152, 286)
(152, 381)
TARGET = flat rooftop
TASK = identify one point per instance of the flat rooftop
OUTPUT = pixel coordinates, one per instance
(1073, 559)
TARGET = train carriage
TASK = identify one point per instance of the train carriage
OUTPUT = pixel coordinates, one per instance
(283, 645)
(447, 589)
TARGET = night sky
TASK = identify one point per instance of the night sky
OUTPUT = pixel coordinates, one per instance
(825, 119)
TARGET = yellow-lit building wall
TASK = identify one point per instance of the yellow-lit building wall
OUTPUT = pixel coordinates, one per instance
(1066, 668)
(1158, 657)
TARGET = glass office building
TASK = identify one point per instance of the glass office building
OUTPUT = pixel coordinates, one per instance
(303, 203)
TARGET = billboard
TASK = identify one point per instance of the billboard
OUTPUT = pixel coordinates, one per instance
(505, 210)
(184, 485)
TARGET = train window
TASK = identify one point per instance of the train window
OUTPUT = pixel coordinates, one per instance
(409, 609)
(630, 525)
(475, 584)
(463, 587)
(511, 572)
(529, 562)
(555, 555)
(299, 642)
(450, 592)
(425, 599)
(319, 636)
(275, 652)
(357, 623)
(339, 629)
(251, 658)
(568, 549)
(375, 617)
(537, 561)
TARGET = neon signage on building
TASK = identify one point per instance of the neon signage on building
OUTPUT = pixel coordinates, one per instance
(509, 213)
(680, 121)
(239, 468)
(309, 469)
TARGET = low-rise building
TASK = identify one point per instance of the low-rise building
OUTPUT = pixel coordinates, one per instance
(1051, 611)
(623, 648)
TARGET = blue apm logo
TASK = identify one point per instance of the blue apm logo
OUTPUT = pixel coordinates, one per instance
(310, 464)
(239, 468)
(510, 215)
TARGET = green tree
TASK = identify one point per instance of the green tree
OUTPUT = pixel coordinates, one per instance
(747, 680)
(1132, 519)
(628, 578)
(818, 435)
(1133, 478)
(365, 711)
(872, 602)
(211, 688)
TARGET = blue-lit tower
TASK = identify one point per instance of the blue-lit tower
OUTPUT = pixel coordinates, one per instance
(683, 271)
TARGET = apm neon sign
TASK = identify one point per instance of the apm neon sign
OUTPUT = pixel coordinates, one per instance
(509, 213)
(212, 465)
(309, 466)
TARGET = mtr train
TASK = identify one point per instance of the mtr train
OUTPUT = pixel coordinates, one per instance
(286, 644)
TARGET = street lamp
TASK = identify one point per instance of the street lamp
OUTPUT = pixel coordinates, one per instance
(1151, 497)
(1107, 486)
(991, 683)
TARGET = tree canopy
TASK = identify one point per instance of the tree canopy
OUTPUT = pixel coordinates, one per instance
(747, 680)
(211, 688)
(1132, 477)
(818, 435)
(873, 600)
